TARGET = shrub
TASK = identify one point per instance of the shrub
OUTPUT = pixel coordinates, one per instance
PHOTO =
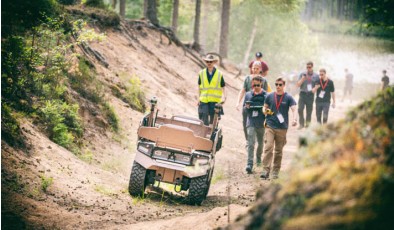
(10, 130)
(111, 116)
(62, 122)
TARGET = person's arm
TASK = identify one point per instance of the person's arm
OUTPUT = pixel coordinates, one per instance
(333, 99)
(294, 114)
(224, 95)
(317, 86)
(241, 95)
(301, 80)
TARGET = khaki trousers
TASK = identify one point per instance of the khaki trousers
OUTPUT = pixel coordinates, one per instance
(273, 139)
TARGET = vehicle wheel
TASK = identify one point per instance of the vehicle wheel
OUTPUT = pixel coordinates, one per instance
(137, 181)
(197, 190)
(209, 183)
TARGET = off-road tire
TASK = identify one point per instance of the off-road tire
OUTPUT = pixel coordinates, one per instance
(137, 181)
(197, 190)
(209, 182)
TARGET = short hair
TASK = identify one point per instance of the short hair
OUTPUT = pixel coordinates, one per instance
(322, 70)
(280, 78)
(256, 63)
(257, 78)
(384, 71)
(309, 63)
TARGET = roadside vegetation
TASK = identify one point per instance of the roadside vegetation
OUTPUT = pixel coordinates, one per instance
(44, 75)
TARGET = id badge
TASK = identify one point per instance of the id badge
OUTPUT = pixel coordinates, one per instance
(321, 94)
(309, 86)
(255, 113)
(280, 117)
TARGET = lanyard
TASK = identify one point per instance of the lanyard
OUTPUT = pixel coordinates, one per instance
(280, 101)
(309, 77)
(325, 85)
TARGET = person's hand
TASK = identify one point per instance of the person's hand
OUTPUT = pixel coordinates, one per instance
(237, 106)
(333, 105)
(294, 123)
(223, 100)
(247, 105)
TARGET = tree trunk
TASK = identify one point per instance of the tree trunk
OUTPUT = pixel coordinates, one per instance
(224, 28)
(114, 2)
(249, 49)
(145, 8)
(204, 30)
(151, 12)
(175, 8)
(196, 34)
(122, 8)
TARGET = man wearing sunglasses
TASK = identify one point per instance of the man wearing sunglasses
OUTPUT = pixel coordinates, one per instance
(253, 103)
(247, 86)
(211, 90)
(325, 90)
(276, 109)
(306, 82)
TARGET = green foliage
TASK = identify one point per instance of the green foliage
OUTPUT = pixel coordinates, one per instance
(134, 94)
(19, 15)
(112, 118)
(94, 3)
(98, 16)
(45, 182)
(68, 2)
(84, 82)
(62, 122)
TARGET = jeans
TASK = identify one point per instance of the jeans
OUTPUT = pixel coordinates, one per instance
(322, 107)
(254, 132)
(244, 119)
(305, 100)
(273, 138)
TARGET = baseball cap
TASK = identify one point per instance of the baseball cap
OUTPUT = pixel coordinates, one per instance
(259, 54)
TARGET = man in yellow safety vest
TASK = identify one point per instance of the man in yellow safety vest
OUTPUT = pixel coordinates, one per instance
(211, 90)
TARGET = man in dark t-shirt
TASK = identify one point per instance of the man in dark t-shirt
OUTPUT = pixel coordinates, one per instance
(325, 90)
(276, 109)
(253, 103)
(247, 86)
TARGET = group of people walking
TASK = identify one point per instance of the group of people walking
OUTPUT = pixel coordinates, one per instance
(265, 110)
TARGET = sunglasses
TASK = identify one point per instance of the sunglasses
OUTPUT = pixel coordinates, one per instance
(277, 84)
(257, 85)
(209, 62)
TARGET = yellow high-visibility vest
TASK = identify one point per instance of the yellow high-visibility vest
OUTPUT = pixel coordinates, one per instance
(210, 91)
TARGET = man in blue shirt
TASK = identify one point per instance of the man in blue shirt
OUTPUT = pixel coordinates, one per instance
(276, 109)
(254, 101)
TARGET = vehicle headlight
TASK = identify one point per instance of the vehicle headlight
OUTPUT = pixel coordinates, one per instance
(172, 156)
(200, 159)
(145, 148)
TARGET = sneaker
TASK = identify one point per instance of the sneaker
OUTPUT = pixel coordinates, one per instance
(264, 175)
(249, 169)
(274, 176)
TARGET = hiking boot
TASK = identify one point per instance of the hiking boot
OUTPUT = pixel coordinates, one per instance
(248, 169)
(274, 176)
(264, 175)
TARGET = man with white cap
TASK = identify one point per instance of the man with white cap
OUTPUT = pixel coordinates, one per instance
(211, 90)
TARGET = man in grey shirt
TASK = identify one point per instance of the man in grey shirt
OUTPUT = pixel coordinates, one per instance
(306, 82)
